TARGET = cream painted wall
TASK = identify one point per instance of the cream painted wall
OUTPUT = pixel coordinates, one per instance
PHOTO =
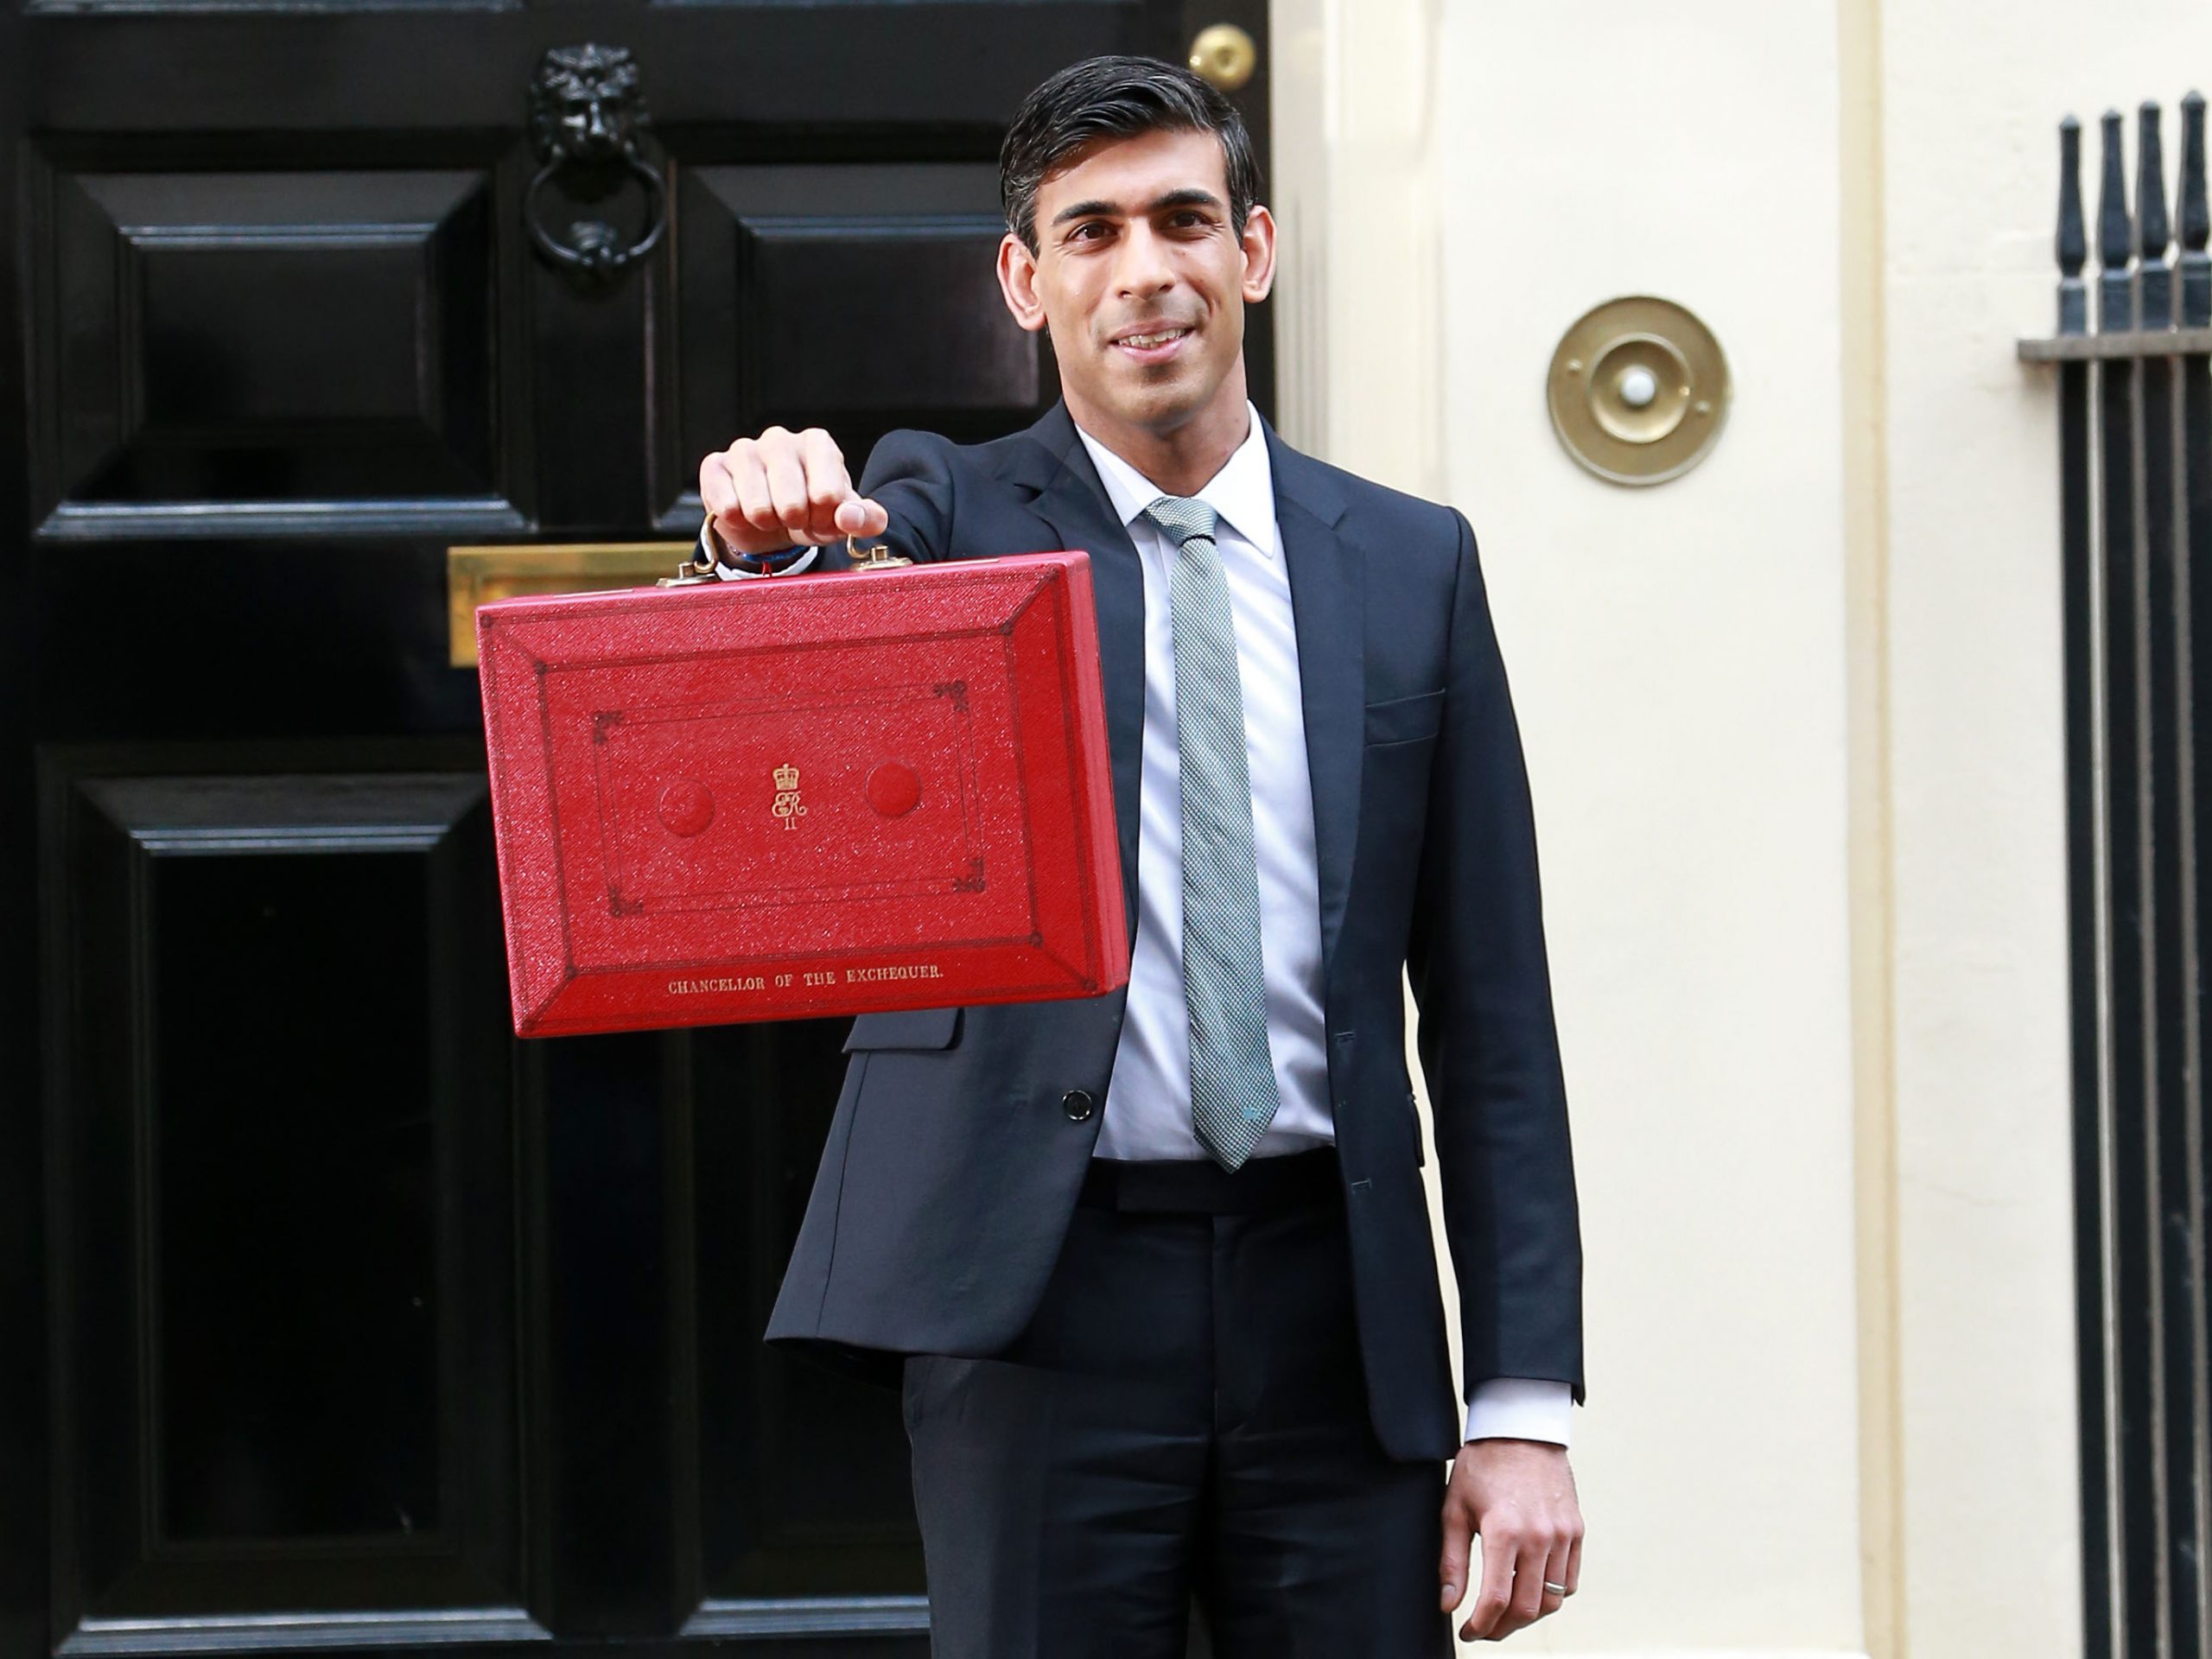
(1677, 659)
(1794, 732)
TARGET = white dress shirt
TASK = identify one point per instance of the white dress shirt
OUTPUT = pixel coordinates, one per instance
(1147, 1113)
(1148, 1109)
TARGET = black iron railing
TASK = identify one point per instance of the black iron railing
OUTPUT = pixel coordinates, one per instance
(2135, 471)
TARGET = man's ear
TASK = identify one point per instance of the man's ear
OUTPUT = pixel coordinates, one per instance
(1018, 282)
(1258, 254)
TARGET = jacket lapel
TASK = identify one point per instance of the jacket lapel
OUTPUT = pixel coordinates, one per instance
(1328, 600)
(1073, 502)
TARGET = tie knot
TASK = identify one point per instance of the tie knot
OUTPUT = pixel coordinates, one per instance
(1182, 518)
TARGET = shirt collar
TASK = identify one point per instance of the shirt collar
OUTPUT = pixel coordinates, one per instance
(1243, 492)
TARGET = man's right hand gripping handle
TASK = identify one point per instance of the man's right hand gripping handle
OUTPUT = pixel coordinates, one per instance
(784, 489)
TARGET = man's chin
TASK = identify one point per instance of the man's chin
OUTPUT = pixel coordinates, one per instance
(1159, 403)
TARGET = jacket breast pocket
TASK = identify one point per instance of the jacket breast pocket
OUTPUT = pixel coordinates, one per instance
(923, 1028)
(1405, 719)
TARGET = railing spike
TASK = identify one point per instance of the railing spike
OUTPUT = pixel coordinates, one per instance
(2153, 228)
(2154, 277)
(2115, 292)
(2195, 218)
(2073, 234)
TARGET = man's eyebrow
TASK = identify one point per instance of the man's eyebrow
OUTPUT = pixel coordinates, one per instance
(1087, 210)
(1188, 196)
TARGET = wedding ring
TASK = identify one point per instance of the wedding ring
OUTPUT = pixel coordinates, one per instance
(1556, 1589)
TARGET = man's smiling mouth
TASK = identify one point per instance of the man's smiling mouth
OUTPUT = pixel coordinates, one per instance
(1155, 343)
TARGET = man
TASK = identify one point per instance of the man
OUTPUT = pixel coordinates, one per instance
(1158, 1264)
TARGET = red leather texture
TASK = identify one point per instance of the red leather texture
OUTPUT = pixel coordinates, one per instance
(803, 796)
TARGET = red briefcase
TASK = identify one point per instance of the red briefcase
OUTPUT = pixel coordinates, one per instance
(803, 795)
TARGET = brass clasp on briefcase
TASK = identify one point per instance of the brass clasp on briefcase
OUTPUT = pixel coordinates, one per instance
(879, 558)
(700, 568)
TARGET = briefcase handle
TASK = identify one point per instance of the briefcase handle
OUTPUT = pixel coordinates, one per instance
(701, 567)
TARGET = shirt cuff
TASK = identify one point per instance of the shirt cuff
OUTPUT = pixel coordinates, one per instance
(1520, 1408)
(789, 563)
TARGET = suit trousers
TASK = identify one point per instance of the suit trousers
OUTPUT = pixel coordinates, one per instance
(1184, 1420)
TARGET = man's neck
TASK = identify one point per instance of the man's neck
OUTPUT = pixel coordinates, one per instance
(1182, 461)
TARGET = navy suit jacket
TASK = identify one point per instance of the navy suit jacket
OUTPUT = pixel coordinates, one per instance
(951, 1169)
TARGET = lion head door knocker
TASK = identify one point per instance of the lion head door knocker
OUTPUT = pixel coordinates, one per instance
(585, 114)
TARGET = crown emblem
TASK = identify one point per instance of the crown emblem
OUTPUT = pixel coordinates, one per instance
(788, 806)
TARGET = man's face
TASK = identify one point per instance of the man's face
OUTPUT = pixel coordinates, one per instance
(1142, 279)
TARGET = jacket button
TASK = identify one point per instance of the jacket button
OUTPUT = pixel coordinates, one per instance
(1077, 1104)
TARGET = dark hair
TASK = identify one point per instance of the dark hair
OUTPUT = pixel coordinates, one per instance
(1116, 98)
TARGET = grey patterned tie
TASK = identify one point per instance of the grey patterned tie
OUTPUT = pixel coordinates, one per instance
(1232, 1075)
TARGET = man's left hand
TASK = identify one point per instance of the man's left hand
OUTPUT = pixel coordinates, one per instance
(1519, 1496)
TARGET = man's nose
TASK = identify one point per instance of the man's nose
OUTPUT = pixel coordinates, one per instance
(1142, 265)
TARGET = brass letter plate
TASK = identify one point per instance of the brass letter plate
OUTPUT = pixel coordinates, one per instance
(476, 575)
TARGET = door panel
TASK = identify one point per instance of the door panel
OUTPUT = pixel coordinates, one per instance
(855, 297)
(215, 344)
(281, 1200)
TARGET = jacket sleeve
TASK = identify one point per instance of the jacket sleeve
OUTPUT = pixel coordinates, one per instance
(1487, 1035)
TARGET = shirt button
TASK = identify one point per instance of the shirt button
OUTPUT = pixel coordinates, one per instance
(1077, 1104)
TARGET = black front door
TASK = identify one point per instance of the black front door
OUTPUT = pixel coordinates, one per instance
(330, 1315)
